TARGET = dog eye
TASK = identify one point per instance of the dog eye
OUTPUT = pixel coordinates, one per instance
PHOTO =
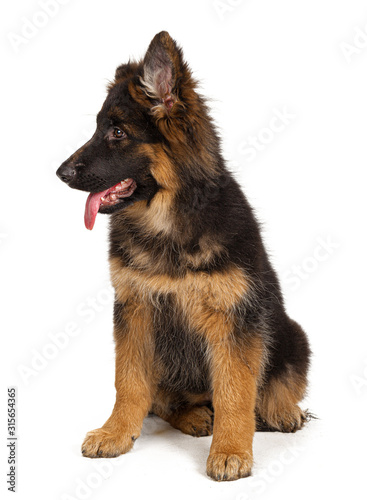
(118, 133)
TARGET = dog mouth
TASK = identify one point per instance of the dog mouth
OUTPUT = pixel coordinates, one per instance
(108, 198)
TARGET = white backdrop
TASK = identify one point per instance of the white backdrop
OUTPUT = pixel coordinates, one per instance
(303, 173)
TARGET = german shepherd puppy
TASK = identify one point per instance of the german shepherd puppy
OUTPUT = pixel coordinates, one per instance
(202, 336)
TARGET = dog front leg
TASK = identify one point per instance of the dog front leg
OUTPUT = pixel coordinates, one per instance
(235, 371)
(134, 383)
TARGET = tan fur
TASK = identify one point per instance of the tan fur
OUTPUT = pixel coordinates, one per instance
(143, 260)
(138, 94)
(161, 167)
(277, 403)
(235, 375)
(198, 293)
(209, 250)
(135, 385)
(158, 217)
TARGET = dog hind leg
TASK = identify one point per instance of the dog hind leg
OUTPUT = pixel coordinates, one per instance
(189, 414)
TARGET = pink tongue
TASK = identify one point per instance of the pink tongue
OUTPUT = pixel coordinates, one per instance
(92, 207)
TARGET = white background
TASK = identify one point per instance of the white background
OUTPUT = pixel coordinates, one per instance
(307, 184)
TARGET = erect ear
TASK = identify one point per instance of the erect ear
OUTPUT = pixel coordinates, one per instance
(163, 69)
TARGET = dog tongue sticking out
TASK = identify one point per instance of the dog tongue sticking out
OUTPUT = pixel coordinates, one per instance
(92, 207)
(106, 198)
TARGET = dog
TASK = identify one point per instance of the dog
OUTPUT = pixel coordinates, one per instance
(201, 333)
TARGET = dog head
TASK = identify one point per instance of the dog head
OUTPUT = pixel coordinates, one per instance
(150, 118)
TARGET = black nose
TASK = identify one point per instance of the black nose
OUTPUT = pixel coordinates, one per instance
(66, 173)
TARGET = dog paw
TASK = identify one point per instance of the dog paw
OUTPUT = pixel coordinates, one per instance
(227, 467)
(290, 420)
(296, 420)
(101, 443)
(197, 421)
